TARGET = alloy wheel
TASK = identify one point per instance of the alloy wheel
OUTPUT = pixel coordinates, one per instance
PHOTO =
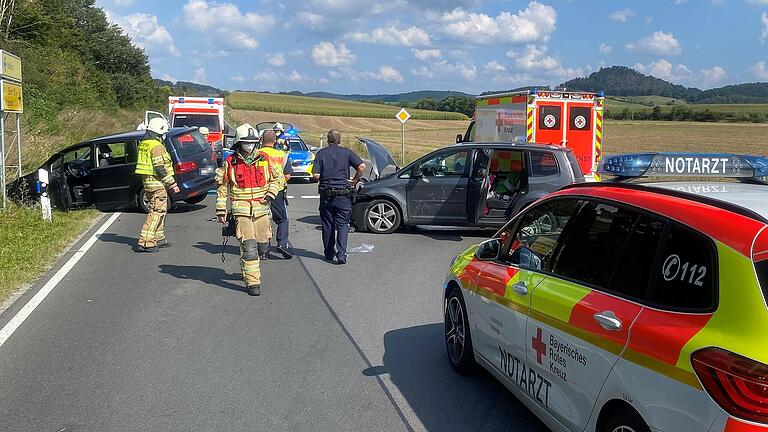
(454, 330)
(382, 216)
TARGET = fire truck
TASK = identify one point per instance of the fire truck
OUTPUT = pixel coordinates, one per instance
(201, 112)
(566, 118)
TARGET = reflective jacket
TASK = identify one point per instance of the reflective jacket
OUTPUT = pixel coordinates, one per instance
(154, 165)
(246, 182)
(277, 158)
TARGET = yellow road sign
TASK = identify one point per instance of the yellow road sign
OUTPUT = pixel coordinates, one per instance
(403, 116)
(10, 66)
(12, 100)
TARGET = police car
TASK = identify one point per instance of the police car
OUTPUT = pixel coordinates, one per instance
(627, 307)
(300, 156)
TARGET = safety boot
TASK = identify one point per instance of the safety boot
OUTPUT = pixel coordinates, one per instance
(254, 290)
(263, 251)
(164, 244)
(284, 252)
(144, 249)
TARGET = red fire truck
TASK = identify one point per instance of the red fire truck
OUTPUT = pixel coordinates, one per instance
(566, 118)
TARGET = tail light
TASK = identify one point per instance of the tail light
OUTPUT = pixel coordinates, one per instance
(183, 167)
(738, 384)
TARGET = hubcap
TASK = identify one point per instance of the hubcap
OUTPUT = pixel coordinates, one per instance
(454, 329)
(382, 216)
(623, 429)
(144, 199)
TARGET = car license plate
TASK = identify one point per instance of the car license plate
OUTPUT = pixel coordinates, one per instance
(206, 170)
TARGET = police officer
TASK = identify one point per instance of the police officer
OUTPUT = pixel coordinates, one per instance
(279, 207)
(331, 168)
(252, 183)
(155, 167)
(281, 142)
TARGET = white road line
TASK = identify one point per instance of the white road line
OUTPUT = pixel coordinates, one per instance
(310, 196)
(291, 197)
(38, 298)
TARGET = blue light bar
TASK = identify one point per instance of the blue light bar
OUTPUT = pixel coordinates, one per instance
(181, 100)
(722, 165)
(210, 101)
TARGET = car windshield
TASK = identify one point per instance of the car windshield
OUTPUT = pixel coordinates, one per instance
(296, 145)
(189, 144)
(211, 121)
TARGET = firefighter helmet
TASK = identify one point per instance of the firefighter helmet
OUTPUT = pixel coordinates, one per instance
(158, 126)
(204, 130)
(246, 134)
(278, 127)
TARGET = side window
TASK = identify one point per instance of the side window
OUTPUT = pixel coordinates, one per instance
(480, 167)
(632, 275)
(114, 154)
(78, 154)
(449, 164)
(594, 243)
(537, 233)
(687, 277)
(543, 163)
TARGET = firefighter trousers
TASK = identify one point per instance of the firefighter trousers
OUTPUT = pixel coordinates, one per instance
(253, 233)
(153, 230)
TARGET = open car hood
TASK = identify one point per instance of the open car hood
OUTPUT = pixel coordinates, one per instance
(380, 157)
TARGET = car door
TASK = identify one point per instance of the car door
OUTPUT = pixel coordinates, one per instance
(114, 183)
(437, 189)
(58, 189)
(477, 189)
(504, 292)
(578, 325)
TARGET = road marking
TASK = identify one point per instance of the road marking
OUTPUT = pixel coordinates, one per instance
(38, 298)
(291, 197)
(310, 196)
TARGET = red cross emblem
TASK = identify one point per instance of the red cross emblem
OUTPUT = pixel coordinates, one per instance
(539, 346)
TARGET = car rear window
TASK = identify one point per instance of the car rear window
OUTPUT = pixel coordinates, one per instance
(543, 163)
(762, 275)
(574, 163)
(190, 144)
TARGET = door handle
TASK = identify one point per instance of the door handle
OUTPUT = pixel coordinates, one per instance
(608, 320)
(520, 288)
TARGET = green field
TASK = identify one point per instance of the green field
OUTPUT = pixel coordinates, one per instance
(281, 103)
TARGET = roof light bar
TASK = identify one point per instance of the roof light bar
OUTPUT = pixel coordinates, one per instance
(720, 165)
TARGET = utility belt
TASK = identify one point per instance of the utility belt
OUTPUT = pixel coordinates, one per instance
(331, 192)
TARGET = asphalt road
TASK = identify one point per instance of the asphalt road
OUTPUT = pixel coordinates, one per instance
(171, 342)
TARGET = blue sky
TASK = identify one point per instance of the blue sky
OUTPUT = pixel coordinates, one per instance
(392, 46)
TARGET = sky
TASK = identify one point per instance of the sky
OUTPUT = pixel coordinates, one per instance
(394, 46)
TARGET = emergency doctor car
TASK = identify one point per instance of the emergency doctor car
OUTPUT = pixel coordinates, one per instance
(624, 306)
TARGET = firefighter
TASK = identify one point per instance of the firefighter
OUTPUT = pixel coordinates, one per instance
(281, 143)
(252, 183)
(155, 167)
(331, 169)
(279, 159)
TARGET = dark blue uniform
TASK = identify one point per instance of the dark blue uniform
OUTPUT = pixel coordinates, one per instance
(280, 210)
(333, 164)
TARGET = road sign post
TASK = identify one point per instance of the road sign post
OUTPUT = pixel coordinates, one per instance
(11, 102)
(403, 116)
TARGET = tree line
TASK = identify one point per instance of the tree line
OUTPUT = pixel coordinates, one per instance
(687, 113)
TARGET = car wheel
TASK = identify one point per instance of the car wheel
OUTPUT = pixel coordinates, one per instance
(626, 420)
(458, 341)
(141, 201)
(382, 217)
(197, 199)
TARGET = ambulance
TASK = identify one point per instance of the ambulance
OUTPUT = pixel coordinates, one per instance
(627, 305)
(564, 118)
(201, 112)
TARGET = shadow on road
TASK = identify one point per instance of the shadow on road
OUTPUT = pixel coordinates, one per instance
(311, 219)
(215, 249)
(119, 239)
(304, 253)
(208, 275)
(416, 362)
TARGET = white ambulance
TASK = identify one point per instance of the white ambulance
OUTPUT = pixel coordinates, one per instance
(201, 112)
(566, 118)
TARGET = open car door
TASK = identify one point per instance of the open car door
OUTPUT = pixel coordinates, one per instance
(479, 183)
(381, 158)
(149, 115)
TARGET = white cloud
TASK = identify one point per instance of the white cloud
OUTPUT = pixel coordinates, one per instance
(621, 15)
(146, 32)
(764, 31)
(387, 74)
(276, 59)
(296, 77)
(167, 77)
(225, 19)
(426, 54)
(423, 72)
(328, 54)
(605, 49)
(713, 76)
(201, 76)
(495, 67)
(532, 24)
(658, 43)
(679, 2)
(411, 36)
(665, 70)
(444, 69)
(536, 59)
(123, 2)
(266, 76)
(760, 70)
(238, 78)
(312, 21)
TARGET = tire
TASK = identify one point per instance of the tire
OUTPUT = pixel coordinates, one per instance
(458, 340)
(382, 217)
(141, 201)
(197, 199)
(626, 420)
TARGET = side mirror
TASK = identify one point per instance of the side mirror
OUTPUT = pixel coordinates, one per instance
(313, 149)
(488, 250)
(459, 138)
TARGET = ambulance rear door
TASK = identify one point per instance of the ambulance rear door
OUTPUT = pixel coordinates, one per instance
(579, 131)
(550, 122)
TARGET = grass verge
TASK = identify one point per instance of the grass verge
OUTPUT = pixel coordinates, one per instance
(31, 244)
